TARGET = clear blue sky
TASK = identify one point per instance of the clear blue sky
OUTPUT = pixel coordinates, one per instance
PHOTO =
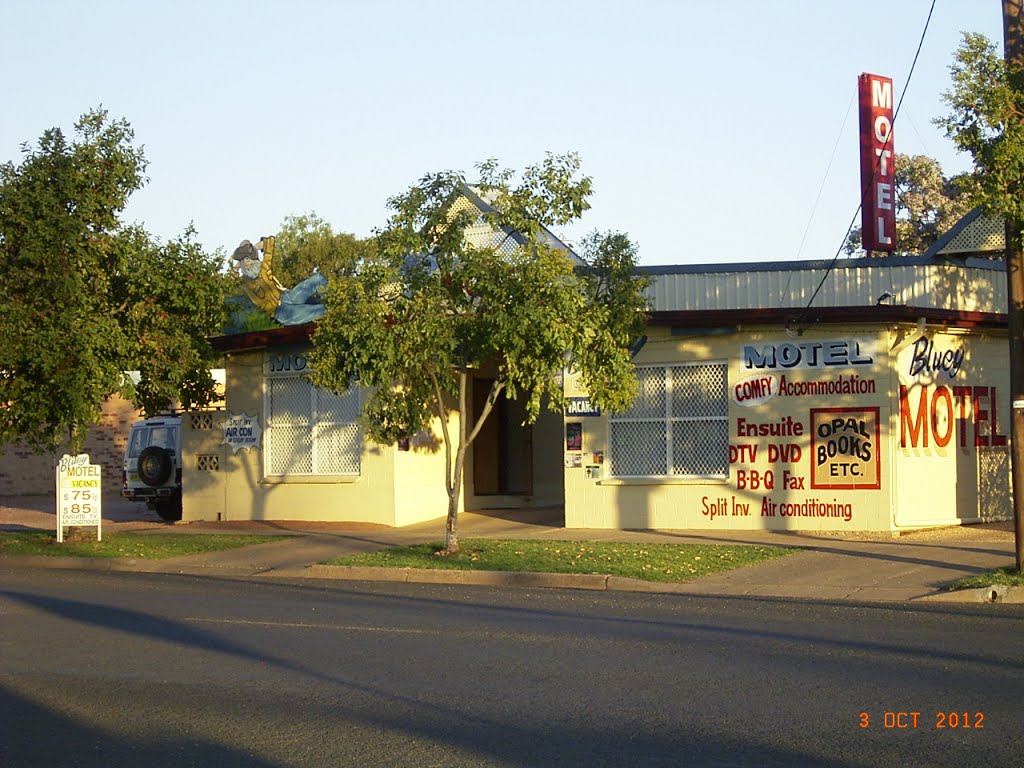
(706, 126)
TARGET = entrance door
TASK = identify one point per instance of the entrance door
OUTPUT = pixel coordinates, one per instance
(503, 450)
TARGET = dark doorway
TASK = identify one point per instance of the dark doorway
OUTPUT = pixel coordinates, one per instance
(503, 450)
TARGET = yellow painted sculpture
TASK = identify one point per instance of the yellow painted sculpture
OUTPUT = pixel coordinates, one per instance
(288, 306)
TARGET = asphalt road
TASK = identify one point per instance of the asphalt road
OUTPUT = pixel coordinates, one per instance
(100, 669)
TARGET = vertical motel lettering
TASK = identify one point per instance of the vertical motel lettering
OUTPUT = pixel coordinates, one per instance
(881, 99)
(931, 414)
(878, 222)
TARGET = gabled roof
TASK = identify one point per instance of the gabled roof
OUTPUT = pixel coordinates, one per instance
(974, 235)
(481, 233)
(484, 233)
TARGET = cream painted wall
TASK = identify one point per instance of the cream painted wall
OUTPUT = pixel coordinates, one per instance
(393, 487)
(249, 495)
(911, 484)
(202, 470)
(420, 493)
(951, 424)
(786, 462)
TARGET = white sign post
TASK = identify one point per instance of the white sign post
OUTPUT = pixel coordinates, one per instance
(79, 498)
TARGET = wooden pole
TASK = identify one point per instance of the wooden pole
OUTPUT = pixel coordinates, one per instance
(1013, 54)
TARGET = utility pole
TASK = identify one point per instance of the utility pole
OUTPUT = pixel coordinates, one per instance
(1013, 54)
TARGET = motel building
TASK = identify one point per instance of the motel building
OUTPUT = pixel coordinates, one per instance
(867, 394)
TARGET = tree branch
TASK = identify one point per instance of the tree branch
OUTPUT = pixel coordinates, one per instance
(443, 416)
(492, 398)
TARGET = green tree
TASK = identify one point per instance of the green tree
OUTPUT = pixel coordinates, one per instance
(928, 204)
(986, 119)
(306, 243)
(83, 299)
(470, 278)
(173, 298)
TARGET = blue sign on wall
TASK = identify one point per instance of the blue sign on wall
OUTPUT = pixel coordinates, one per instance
(581, 406)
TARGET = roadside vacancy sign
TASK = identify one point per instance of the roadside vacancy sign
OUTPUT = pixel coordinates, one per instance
(78, 494)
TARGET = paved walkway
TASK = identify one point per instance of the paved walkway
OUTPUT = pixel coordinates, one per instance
(832, 567)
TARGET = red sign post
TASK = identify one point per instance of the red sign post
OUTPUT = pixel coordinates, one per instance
(877, 169)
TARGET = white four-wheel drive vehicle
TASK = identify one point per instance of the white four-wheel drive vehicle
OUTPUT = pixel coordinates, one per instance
(152, 465)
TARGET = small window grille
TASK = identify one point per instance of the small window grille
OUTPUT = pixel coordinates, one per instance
(202, 420)
(209, 463)
(677, 426)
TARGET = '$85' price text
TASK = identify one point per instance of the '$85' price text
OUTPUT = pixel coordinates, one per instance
(78, 502)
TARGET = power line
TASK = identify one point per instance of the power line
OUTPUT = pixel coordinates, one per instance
(821, 188)
(899, 104)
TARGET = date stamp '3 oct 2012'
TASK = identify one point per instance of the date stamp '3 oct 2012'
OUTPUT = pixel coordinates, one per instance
(916, 720)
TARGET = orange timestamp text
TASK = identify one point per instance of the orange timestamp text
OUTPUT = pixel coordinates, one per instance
(915, 720)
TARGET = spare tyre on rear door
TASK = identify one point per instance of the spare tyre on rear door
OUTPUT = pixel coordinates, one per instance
(155, 465)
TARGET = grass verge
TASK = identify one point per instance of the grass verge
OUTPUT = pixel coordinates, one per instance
(1009, 577)
(148, 546)
(651, 562)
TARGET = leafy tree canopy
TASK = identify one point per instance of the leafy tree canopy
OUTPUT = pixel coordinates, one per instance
(986, 119)
(306, 243)
(84, 299)
(469, 279)
(928, 204)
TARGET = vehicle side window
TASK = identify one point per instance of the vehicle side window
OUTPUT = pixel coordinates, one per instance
(139, 440)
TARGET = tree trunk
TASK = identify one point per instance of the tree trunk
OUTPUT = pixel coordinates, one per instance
(466, 437)
(451, 526)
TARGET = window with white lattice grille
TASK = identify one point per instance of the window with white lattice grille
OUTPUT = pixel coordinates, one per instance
(311, 431)
(678, 425)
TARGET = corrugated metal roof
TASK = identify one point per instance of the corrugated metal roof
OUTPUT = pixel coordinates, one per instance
(970, 285)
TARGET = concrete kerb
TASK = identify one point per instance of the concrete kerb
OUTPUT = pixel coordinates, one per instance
(996, 593)
(911, 568)
(500, 579)
(475, 578)
(607, 583)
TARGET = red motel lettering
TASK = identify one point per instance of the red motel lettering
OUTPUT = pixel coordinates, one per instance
(878, 223)
(933, 413)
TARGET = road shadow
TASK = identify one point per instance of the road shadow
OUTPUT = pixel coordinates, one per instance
(32, 734)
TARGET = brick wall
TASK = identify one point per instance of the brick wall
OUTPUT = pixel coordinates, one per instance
(23, 472)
